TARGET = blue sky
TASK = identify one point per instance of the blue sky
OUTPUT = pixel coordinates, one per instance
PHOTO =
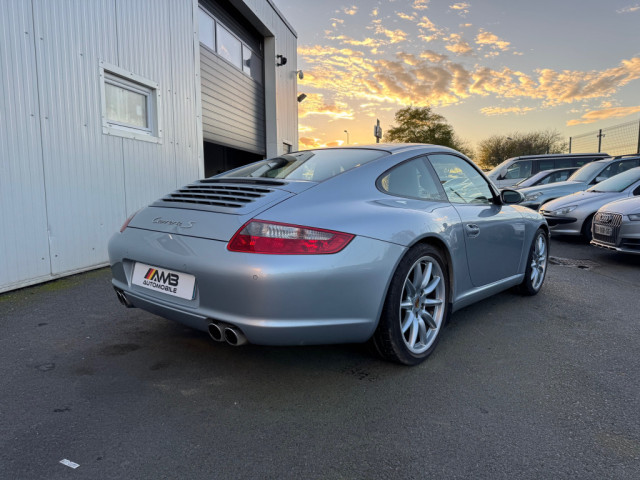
(491, 67)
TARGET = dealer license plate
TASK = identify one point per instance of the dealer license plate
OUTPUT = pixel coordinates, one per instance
(603, 230)
(162, 280)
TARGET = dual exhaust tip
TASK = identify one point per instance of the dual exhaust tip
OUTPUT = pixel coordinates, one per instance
(220, 332)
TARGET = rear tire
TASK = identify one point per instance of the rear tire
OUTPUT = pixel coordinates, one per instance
(416, 307)
(537, 262)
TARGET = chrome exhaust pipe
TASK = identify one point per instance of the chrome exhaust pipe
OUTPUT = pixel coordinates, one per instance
(234, 336)
(215, 332)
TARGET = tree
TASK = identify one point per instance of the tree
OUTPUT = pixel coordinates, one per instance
(421, 125)
(497, 148)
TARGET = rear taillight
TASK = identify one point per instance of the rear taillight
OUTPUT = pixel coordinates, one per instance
(126, 222)
(284, 239)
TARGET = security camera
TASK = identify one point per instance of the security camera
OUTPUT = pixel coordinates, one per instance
(301, 97)
(300, 74)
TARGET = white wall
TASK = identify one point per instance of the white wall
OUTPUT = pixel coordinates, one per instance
(65, 186)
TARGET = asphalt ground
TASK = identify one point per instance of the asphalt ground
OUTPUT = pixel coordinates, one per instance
(539, 387)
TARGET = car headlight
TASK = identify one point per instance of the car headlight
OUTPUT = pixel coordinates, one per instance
(532, 196)
(635, 216)
(564, 210)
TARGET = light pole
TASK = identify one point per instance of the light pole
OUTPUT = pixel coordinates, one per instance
(347, 136)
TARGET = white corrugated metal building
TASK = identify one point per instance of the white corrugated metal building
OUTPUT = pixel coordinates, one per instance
(105, 105)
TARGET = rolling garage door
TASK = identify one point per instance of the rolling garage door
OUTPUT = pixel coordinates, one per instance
(231, 68)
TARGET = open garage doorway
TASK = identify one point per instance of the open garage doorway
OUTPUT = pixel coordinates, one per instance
(218, 159)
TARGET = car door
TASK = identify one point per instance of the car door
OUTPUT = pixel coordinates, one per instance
(493, 233)
(515, 172)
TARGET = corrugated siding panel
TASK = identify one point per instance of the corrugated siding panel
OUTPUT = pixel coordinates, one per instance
(186, 82)
(232, 105)
(24, 249)
(93, 181)
(149, 168)
(83, 167)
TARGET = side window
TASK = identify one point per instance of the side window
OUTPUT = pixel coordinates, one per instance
(565, 162)
(618, 167)
(461, 182)
(548, 179)
(519, 170)
(411, 179)
(546, 165)
(579, 162)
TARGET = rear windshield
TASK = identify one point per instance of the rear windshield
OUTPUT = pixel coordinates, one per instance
(310, 165)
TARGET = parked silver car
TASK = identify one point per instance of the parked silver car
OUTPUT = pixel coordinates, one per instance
(330, 246)
(515, 169)
(616, 226)
(586, 176)
(546, 177)
(573, 214)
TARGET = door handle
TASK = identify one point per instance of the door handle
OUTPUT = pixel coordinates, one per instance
(472, 229)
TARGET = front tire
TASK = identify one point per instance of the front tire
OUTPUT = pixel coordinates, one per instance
(536, 264)
(586, 229)
(416, 307)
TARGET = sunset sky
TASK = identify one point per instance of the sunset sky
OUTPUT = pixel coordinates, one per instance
(490, 67)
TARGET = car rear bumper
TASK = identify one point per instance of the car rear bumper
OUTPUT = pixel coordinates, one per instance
(273, 299)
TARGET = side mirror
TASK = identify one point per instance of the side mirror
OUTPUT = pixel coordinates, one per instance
(508, 196)
(600, 178)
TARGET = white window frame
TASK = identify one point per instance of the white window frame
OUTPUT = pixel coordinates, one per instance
(114, 75)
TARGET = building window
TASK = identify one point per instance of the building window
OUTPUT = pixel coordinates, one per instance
(127, 103)
(251, 64)
(228, 46)
(219, 39)
(207, 28)
(130, 104)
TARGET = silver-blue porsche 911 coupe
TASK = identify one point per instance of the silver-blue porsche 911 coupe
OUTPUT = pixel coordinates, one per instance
(373, 243)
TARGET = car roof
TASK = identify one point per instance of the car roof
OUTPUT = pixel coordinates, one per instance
(394, 147)
(619, 157)
(560, 155)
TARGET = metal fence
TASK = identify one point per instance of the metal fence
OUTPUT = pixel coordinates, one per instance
(617, 140)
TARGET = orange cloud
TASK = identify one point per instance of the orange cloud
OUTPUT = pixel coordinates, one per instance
(394, 36)
(457, 45)
(488, 38)
(404, 16)
(629, 9)
(420, 4)
(597, 115)
(491, 111)
(307, 143)
(433, 56)
(315, 104)
(462, 8)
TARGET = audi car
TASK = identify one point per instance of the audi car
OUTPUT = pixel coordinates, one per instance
(573, 214)
(616, 226)
(376, 243)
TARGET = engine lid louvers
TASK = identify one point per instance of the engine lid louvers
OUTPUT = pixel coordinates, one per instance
(226, 197)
